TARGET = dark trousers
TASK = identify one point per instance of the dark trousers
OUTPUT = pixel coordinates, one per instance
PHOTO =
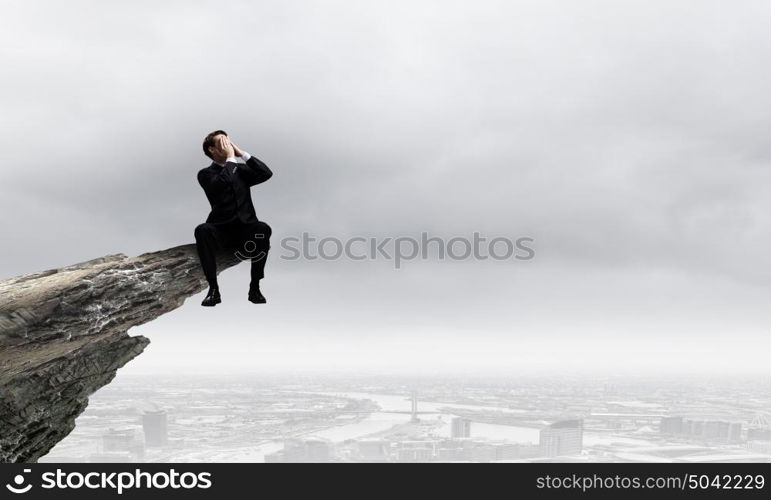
(247, 241)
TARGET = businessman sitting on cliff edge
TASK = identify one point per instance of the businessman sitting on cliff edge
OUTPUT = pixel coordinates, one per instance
(232, 223)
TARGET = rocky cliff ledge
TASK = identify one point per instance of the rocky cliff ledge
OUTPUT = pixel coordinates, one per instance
(63, 335)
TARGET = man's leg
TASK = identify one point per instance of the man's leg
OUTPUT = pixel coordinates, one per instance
(207, 243)
(256, 244)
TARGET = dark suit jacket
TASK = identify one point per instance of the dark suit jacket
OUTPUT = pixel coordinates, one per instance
(228, 189)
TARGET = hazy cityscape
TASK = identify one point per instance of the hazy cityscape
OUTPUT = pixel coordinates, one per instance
(391, 419)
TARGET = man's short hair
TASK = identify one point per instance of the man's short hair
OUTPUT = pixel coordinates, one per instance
(209, 141)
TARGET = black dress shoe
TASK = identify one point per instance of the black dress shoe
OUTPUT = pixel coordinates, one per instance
(212, 298)
(256, 297)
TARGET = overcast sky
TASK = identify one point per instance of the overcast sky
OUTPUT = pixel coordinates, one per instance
(629, 139)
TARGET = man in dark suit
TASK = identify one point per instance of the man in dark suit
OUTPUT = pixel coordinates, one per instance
(232, 223)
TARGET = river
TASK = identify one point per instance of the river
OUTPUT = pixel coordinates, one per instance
(386, 419)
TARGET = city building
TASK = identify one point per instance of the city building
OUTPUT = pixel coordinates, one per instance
(112, 457)
(373, 450)
(416, 451)
(415, 454)
(708, 430)
(693, 427)
(671, 425)
(516, 451)
(483, 452)
(562, 438)
(118, 439)
(155, 427)
(122, 441)
(758, 434)
(759, 440)
(312, 450)
(453, 455)
(461, 428)
(317, 450)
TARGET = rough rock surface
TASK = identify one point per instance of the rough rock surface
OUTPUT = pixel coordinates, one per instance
(63, 335)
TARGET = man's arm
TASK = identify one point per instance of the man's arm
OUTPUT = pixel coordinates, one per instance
(213, 181)
(256, 172)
